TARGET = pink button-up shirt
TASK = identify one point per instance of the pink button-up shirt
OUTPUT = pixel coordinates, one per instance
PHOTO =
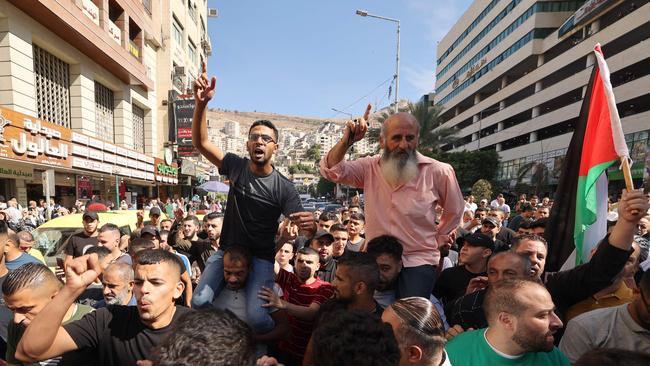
(406, 212)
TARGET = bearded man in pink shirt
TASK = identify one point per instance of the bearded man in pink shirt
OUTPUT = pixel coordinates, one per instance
(402, 189)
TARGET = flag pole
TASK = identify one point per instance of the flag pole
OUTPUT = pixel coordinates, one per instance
(627, 174)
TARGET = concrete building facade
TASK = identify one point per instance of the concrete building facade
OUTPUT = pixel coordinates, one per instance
(511, 76)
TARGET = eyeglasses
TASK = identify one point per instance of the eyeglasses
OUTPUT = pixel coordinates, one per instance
(253, 137)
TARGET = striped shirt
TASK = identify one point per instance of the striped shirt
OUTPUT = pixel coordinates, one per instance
(298, 293)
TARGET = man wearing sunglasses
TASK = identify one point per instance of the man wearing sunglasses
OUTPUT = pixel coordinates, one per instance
(258, 195)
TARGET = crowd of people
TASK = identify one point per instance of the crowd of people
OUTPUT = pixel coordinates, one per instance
(416, 274)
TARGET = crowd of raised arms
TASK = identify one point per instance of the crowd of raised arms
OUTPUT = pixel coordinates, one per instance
(409, 273)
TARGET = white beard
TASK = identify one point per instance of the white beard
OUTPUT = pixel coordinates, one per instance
(397, 170)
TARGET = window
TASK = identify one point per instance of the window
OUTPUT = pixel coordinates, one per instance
(191, 9)
(52, 82)
(104, 106)
(138, 128)
(177, 31)
(191, 51)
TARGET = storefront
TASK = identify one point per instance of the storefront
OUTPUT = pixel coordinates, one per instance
(83, 166)
(167, 178)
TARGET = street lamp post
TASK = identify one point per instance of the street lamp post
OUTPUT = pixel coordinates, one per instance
(365, 13)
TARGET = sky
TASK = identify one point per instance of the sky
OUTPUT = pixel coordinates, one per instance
(305, 57)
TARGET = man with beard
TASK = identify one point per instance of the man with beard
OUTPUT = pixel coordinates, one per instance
(26, 291)
(258, 195)
(201, 250)
(118, 335)
(521, 323)
(322, 243)
(117, 282)
(402, 189)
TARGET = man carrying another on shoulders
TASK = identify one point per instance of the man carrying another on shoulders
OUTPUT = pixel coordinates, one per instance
(402, 189)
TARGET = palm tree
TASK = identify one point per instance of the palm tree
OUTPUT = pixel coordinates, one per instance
(539, 176)
(431, 140)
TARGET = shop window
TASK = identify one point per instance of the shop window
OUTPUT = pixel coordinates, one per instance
(52, 82)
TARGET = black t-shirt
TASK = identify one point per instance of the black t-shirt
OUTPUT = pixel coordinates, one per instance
(254, 207)
(200, 251)
(6, 316)
(117, 334)
(78, 242)
(452, 283)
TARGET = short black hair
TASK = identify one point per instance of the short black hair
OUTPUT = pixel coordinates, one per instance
(358, 216)
(156, 256)
(327, 216)
(212, 216)
(541, 222)
(239, 253)
(29, 275)
(338, 227)
(137, 245)
(521, 238)
(308, 251)
(192, 218)
(362, 267)
(267, 123)
(613, 356)
(385, 244)
(227, 341)
(354, 338)
(109, 227)
(102, 252)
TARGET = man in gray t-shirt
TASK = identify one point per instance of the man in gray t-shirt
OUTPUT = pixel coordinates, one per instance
(625, 327)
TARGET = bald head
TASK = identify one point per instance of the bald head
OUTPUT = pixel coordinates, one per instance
(123, 270)
(401, 119)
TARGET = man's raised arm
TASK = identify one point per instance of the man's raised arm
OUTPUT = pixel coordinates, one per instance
(354, 131)
(45, 338)
(203, 93)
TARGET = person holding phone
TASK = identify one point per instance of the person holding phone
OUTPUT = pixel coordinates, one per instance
(258, 196)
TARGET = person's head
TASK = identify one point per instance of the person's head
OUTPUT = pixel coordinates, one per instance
(481, 213)
(398, 141)
(418, 329)
(468, 215)
(613, 356)
(136, 245)
(523, 313)
(157, 284)
(476, 250)
(285, 254)
(357, 277)
(109, 236)
(326, 220)
(25, 241)
(340, 234)
(640, 307)
(166, 224)
(262, 142)
(28, 289)
(535, 248)
(213, 224)
(322, 242)
(527, 210)
(104, 256)
(356, 224)
(354, 338)
(534, 200)
(190, 227)
(90, 221)
(307, 263)
(643, 226)
(538, 227)
(387, 251)
(237, 261)
(508, 266)
(490, 226)
(524, 228)
(541, 212)
(117, 281)
(353, 208)
(154, 215)
(227, 341)
(152, 233)
(546, 201)
(345, 214)
(498, 213)
(12, 247)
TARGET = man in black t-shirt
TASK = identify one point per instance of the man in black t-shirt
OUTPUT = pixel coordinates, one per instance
(79, 242)
(118, 335)
(258, 196)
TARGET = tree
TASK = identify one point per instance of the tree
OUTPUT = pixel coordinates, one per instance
(482, 189)
(539, 177)
(325, 187)
(313, 153)
(471, 166)
(301, 168)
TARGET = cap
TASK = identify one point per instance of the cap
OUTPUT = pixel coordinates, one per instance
(324, 233)
(492, 221)
(150, 229)
(480, 240)
(154, 211)
(91, 214)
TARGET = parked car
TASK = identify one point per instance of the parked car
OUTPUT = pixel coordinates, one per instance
(333, 207)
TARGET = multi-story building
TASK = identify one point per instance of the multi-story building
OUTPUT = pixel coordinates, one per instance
(232, 128)
(78, 96)
(511, 76)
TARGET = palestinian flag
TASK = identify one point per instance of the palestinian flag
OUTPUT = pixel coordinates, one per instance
(578, 217)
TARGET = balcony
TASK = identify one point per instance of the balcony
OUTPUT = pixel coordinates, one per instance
(90, 10)
(114, 32)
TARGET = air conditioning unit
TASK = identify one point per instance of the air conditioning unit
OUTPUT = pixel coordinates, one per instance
(213, 13)
(179, 70)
